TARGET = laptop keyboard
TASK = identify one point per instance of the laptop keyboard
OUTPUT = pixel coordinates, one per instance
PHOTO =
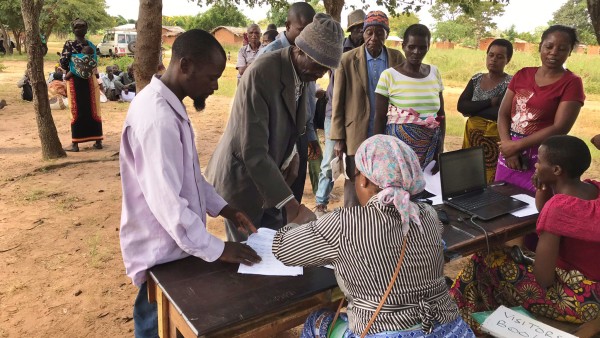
(479, 200)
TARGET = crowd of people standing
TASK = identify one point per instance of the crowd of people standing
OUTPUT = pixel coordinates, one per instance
(387, 123)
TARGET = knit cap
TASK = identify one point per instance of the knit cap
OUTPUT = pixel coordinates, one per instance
(377, 18)
(322, 40)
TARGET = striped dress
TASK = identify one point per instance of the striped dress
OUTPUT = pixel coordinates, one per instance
(363, 244)
(412, 110)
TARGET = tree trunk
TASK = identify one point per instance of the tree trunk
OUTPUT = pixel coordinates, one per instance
(334, 8)
(5, 42)
(147, 45)
(17, 35)
(594, 11)
(51, 146)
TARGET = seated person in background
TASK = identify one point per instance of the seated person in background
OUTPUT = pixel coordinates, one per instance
(563, 284)
(108, 84)
(57, 91)
(125, 85)
(51, 75)
(269, 37)
(116, 70)
(480, 102)
(367, 242)
(26, 89)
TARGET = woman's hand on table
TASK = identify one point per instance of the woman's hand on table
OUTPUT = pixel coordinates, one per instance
(239, 253)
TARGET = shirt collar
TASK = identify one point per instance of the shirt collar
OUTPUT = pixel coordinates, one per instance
(168, 95)
(380, 57)
(284, 40)
(250, 50)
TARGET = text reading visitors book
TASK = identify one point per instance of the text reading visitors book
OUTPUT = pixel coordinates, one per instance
(261, 242)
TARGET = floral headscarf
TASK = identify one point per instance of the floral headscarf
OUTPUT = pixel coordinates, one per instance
(394, 167)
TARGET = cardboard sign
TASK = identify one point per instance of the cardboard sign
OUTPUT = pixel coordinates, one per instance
(506, 323)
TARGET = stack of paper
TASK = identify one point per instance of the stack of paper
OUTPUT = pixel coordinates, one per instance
(261, 242)
(528, 210)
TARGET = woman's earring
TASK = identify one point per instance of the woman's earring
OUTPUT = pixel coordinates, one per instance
(362, 185)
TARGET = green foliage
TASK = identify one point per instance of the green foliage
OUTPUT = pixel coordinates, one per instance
(220, 14)
(401, 22)
(182, 21)
(122, 62)
(457, 25)
(57, 15)
(450, 30)
(574, 13)
(277, 15)
(2, 67)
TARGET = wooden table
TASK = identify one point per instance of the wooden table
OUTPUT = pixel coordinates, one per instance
(500, 229)
(200, 299)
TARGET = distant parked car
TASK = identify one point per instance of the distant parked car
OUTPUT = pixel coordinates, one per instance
(117, 43)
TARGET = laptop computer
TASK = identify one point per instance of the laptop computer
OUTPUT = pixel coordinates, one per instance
(464, 186)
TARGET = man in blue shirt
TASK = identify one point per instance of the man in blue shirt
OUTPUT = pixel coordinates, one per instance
(353, 112)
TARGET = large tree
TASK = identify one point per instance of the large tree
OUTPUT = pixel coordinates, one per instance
(11, 20)
(51, 146)
(57, 15)
(594, 12)
(220, 15)
(574, 13)
(401, 22)
(471, 24)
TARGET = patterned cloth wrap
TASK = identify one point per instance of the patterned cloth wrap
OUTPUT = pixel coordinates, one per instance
(318, 323)
(83, 65)
(404, 116)
(394, 167)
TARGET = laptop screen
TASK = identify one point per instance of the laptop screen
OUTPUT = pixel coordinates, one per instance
(462, 171)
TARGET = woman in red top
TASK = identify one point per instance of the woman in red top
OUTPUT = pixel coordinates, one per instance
(564, 283)
(540, 102)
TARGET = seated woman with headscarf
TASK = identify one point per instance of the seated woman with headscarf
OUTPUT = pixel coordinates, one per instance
(367, 243)
(57, 91)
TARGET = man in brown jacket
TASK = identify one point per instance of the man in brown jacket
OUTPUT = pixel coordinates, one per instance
(268, 116)
(354, 93)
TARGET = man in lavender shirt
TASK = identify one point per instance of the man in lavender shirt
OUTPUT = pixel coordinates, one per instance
(165, 196)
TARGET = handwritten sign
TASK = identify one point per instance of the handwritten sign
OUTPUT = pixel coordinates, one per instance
(506, 323)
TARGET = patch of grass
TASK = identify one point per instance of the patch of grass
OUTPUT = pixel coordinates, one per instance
(2, 67)
(35, 195)
(228, 82)
(96, 253)
(67, 204)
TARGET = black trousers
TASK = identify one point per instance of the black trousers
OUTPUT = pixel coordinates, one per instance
(298, 185)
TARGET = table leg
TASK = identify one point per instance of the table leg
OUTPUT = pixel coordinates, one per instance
(163, 314)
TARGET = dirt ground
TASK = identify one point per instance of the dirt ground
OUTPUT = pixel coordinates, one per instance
(61, 272)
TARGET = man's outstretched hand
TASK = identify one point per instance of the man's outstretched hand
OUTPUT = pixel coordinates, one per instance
(241, 221)
(239, 253)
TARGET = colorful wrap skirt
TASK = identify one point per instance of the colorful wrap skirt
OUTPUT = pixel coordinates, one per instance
(520, 178)
(318, 323)
(488, 281)
(84, 105)
(483, 132)
(424, 141)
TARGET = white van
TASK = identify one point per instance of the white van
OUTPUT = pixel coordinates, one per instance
(117, 43)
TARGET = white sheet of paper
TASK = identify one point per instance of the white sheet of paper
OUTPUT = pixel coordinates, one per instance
(528, 210)
(261, 242)
(507, 323)
(433, 184)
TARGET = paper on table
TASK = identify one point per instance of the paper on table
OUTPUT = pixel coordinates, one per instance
(528, 210)
(432, 184)
(507, 323)
(261, 242)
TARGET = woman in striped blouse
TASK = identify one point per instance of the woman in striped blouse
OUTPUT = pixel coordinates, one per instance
(408, 100)
(363, 244)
